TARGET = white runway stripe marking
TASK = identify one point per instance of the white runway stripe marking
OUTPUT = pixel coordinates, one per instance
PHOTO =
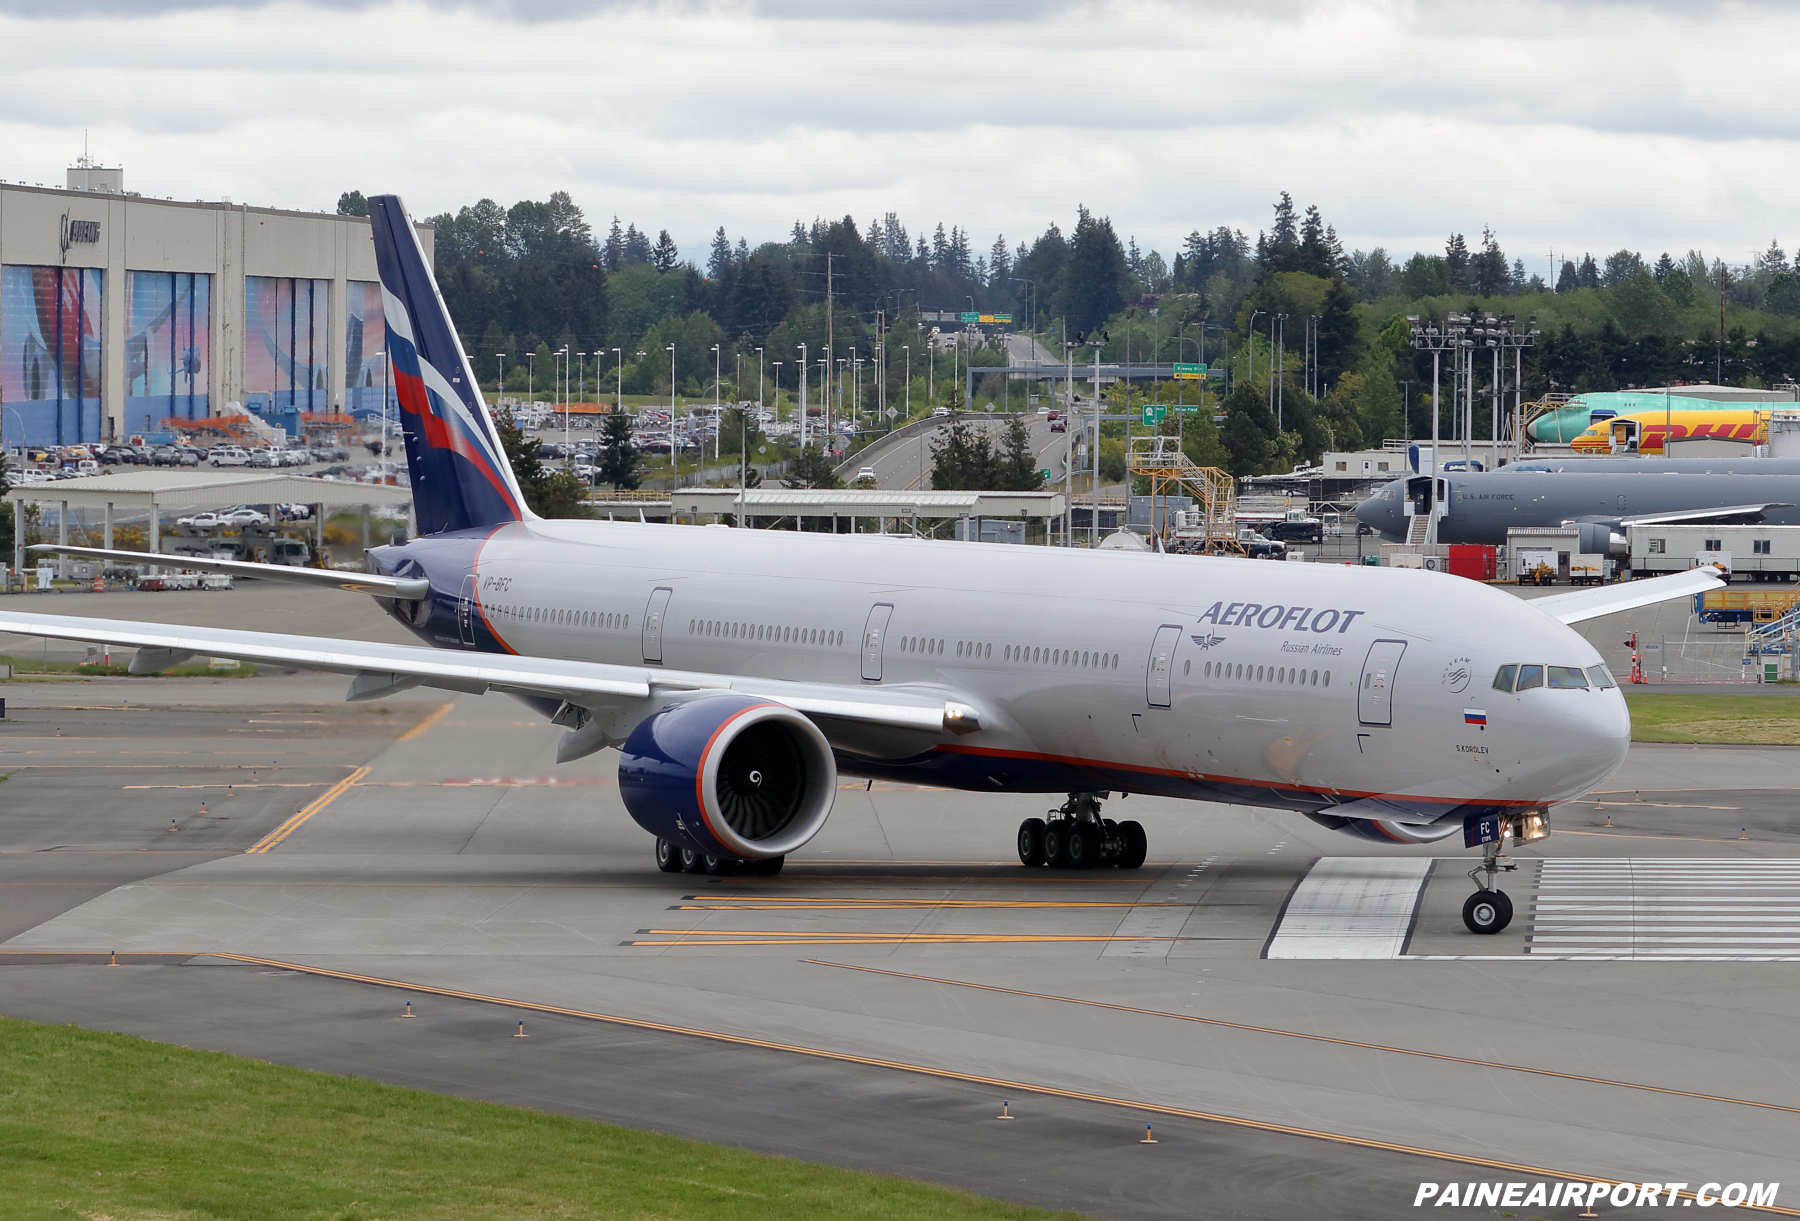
(1666, 908)
(1351, 907)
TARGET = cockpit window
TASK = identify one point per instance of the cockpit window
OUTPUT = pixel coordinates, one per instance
(1601, 677)
(1529, 677)
(1503, 681)
(1568, 677)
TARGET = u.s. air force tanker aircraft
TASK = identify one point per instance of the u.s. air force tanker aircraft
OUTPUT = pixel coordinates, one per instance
(1600, 495)
(738, 672)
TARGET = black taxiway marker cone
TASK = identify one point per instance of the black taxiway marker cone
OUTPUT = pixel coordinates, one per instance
(1005, 1110)
(521, 1033)
(1149, 1136)
(409, 1012)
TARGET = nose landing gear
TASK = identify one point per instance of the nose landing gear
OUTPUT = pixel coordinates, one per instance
(1488, 910)
(1076, 837)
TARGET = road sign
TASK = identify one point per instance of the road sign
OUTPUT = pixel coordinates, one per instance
(1189, 373)
(971, 317)
(892, 412)
(1154, 413)
(1187, 408)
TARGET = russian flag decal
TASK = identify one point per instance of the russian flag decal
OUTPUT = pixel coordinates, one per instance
(1474, 716)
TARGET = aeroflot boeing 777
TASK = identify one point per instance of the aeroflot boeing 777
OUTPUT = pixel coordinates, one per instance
(738, 672)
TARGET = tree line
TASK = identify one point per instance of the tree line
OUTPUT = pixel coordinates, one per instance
(1312, 337)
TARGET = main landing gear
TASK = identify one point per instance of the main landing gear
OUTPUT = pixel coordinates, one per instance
(672, 858)
(1076, 837)
(1488, 910)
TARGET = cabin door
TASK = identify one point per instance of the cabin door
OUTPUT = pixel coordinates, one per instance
(1375, 695)
(654, 614)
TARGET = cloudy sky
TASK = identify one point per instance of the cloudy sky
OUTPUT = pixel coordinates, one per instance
(1564, 126)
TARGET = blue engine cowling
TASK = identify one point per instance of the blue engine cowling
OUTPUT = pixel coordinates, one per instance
(729, 774)
(1387, 831)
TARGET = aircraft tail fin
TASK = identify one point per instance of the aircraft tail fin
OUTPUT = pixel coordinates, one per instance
(460, 477)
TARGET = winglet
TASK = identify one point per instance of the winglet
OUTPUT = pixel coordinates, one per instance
(1584, 604)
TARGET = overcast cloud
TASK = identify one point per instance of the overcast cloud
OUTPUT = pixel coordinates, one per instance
(1654, 126)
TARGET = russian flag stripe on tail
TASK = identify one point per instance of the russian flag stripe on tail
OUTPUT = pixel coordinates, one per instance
(460, 477)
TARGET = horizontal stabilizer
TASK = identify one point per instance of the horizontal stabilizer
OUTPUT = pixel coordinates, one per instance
(403, 589)
(1584, 604)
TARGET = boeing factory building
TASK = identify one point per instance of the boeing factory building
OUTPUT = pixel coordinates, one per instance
(120, 313)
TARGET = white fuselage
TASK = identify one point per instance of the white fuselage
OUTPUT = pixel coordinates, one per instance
(1137, 672)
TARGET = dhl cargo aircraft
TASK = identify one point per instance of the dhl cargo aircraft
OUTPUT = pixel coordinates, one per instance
(1643, 432)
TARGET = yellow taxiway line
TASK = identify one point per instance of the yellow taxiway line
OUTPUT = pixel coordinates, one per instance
(319, 803)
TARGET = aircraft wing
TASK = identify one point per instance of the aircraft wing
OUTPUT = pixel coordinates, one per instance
(1751, 513)
(380, 669)
(1583, 604)
(415, 589)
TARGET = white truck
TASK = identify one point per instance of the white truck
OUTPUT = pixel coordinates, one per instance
(1544, 555)
(1758, 553)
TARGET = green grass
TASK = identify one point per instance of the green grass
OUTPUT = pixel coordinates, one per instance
(36, 669)
(1729, 720)
(104, 1126)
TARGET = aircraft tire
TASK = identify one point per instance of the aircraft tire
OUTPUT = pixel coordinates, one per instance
(1487, 911)
(668, 856)
(1055, 844)
(767, 867)
(1137, 844)
(1082, 848)
(692, 861)
(1031, 842)
(718, 865)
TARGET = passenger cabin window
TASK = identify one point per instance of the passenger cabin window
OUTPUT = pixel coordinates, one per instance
(1529, 677)
(1568, 677)
(1503, 681)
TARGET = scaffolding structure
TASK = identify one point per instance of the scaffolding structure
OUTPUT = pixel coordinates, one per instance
(1171, 472)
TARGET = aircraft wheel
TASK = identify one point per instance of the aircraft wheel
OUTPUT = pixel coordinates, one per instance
(1055, 844)
(1487, 911)
(692, 861)
(1031, 842)
(718, 865)
(769, 866)
(1082, 846)
(1137, 844)
(668, 856)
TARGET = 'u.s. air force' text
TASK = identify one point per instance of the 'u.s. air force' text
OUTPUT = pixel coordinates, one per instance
(1280, 618)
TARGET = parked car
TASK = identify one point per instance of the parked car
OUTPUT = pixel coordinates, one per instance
(229, 455)
(205, 520)
(243, 515)
(263, 459)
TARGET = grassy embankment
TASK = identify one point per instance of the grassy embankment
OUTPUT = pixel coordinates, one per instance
(101, 1125)
(37, 669)
(1730, 720)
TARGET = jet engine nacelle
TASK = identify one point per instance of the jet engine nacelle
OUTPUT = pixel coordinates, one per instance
(1387, 831)
(729, 774)
(1600, 538)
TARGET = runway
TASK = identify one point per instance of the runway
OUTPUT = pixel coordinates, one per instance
(1304, 1021)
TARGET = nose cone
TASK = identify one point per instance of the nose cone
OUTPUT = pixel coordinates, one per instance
(1593, 732)
(1380, 513)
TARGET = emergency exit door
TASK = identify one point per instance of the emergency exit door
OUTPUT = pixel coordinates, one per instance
(1162, 663)
(1375, 695)
(654, 614)
(874, 637)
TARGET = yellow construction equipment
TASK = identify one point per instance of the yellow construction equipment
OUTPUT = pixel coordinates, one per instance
(1213, 529)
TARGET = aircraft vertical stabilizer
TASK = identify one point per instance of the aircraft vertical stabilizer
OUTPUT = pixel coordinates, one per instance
(460, 477)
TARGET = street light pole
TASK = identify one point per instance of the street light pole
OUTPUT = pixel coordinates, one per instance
(498, 395)
(674, 459)
(907, 348)
(802, 348)
(718, 413)
(619, 360)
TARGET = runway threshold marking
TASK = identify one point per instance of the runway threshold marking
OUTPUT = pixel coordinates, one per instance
(318, 803)
(424, 726)
(1313, 1038)
(946, 1074)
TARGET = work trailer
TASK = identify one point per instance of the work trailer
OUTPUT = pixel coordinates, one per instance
(1544, 555)
(1756, 553)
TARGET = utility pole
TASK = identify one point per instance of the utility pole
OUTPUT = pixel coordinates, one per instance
(802, 348)
(828, 343)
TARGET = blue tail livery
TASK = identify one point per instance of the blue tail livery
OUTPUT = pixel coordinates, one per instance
(460, 477)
